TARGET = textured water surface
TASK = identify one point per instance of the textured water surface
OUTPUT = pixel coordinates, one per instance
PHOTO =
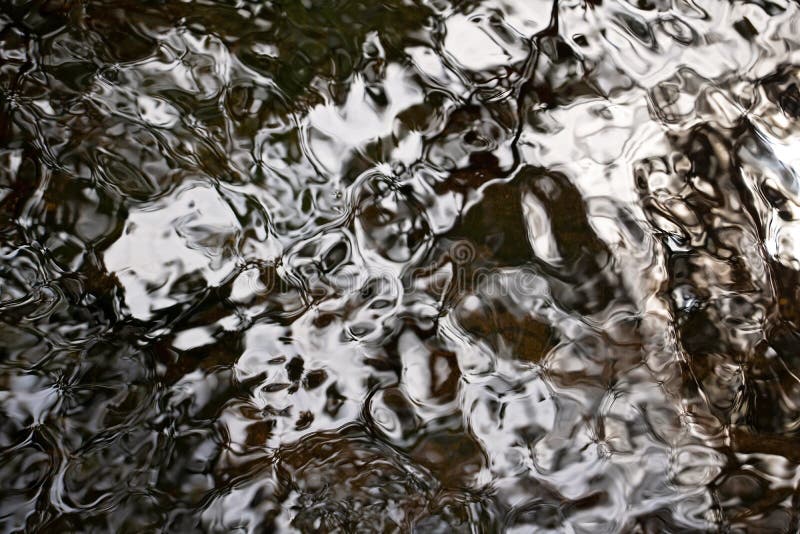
(410, 265)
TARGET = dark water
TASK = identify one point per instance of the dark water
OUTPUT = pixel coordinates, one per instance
(430, 266)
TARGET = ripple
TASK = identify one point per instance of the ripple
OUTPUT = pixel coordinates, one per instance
(405, 265)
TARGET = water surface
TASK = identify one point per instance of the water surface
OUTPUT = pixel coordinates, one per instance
(410, 265)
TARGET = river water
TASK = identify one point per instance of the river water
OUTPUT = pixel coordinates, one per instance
(409, 265)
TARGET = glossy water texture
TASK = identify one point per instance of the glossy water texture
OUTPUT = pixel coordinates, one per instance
(411, 265)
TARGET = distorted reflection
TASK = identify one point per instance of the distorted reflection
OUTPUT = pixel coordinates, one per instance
(407, 265)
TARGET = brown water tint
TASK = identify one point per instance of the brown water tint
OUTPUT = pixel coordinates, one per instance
(411, 265)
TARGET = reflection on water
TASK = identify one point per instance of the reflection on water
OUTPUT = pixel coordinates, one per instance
(494, 265)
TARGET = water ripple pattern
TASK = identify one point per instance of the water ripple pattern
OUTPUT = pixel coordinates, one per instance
(399, 266)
